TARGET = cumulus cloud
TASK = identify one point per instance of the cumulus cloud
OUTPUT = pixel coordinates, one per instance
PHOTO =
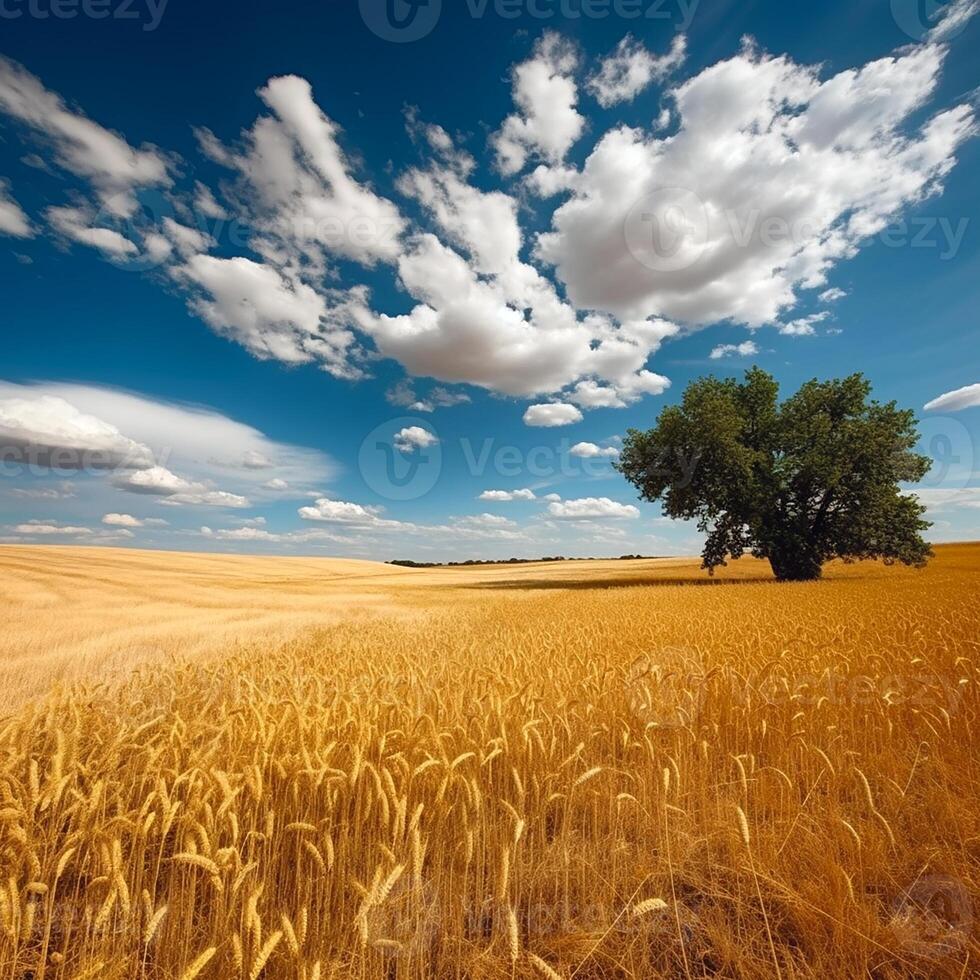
(832, 295)
(158, 481)
(122, 520)
(414, 437)
(589, 450)
(772, 178)
(300, 187)
(547, 123)
(746, 349)
(343, 512)
(49, 431)
(84, 148)
(504, 496)
(956, 401)
(588, 508)
(13, 220)
(273, 314)
(551, 415)
(771, 175)
(803, 326)
(631, 68)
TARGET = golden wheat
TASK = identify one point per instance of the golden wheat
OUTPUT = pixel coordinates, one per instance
(480, 774)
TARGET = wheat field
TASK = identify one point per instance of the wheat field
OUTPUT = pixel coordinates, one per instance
(226, 767)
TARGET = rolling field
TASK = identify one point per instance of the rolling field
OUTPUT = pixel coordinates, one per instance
(228, 767)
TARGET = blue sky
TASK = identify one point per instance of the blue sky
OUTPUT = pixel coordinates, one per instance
(301, 280)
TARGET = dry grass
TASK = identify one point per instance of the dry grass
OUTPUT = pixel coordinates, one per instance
(593, 770)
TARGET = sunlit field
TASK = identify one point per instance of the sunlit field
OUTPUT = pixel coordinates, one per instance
(227, 767)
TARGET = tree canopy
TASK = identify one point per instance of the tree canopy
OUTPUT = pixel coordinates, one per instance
(797, 482)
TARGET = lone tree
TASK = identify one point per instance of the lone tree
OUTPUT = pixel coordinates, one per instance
(813, 478)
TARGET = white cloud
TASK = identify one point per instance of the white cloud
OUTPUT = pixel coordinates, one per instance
(241, 534)
(951, 18)
(187, 240)
(254, 460)
(589, 450)
(552, 415)
(592, 507)
(121, 520)
(552, 498)
(548, 123)
(504, 496)
(803, 326)
(956, 401)
(47, 430)
(299, 189)
(545, 181)
(631, 68)
(272, 314)
(276, 484)
(508, 330)
(78, 224)
(81, 146)
(65, 491)
(940, 499)
(13, 220)
(773, 177)
(746, 349)
(183, 452)
(759, 141)
(344, 512)
(158, 481)
(414, 437)
(485, 520)
(205, 203)
(832, 295)
(47, 530)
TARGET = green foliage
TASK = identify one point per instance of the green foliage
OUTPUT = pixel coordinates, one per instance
(799, 482)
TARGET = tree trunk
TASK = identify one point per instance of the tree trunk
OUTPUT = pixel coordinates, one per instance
(795, 565)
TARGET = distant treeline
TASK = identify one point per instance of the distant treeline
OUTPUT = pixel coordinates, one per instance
(405, 563)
